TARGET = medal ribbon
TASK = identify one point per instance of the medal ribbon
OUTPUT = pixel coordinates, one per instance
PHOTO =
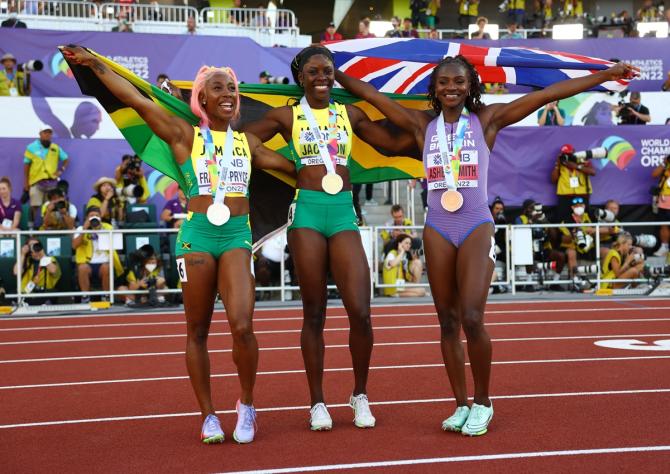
(327, 151)
(216, 167)
(451, 158)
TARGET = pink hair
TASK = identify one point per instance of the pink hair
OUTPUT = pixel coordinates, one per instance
(201, 79)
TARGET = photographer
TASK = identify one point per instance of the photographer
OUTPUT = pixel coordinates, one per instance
(661, 204)
(572, 178)
(633, 112)
(399, 269)
(551, 115)
(163, 81)
(266, 78)
(608, 234)
(132, 186)
(58, 213)
(500, 236)
(578, 241)
(622, 262)
(146, 274)
(111, 208)
(13, 82)
(92, 262)
(39, 273)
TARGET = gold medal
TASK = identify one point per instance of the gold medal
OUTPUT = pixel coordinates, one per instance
(218, 213)
(451, 200)
(332, 183)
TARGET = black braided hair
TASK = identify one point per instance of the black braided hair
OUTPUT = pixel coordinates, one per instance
(303, 56)
(473, 101)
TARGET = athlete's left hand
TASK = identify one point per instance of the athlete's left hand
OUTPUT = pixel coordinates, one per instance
(623, 71)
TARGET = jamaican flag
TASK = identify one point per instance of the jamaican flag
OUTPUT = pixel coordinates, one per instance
(270, 192)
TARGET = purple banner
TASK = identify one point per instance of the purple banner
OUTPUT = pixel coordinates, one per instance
(147, 55)
(521, 163)
(523, 158)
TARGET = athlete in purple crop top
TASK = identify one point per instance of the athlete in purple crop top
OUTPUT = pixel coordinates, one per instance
(459, 243)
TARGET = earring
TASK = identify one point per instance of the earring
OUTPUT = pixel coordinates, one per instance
(204, 103)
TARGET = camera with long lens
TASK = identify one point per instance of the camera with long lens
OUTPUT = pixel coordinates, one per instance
(132, 191)
(95, 222)
(60, 205)
(657, 271)
(277, 80)
(580, 239)
(602, 215)
(645, 241)
(581, 157)
(133, 164)
(30, 66)
(36, 247)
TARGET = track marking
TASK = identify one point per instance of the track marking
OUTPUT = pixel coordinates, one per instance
(337, 369)
(293, 331)
(330, 346)
(338, 405)
(329, 317)
(635, 345)
(479, 457)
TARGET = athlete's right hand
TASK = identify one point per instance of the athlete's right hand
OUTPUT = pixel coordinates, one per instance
(77, 55)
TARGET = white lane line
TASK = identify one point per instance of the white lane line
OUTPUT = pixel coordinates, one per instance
(293, 331)
(337, 369)
(182, 322)
(340, 405)
(479, 457)
(298, 307)
(329, 346)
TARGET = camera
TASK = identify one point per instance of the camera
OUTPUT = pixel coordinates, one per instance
(31, 66)
(659, 271)
(646, 241)
(602, 215)
(132, 191)
(581, 157)
(277, 80)
(95, 221)
(60, 205)
(580, 239)
(36, 247)
(133, 164)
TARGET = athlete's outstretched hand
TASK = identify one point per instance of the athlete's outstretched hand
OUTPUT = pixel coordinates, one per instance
(77, 55)
(623, 71)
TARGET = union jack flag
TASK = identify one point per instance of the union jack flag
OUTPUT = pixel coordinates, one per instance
(403, 65)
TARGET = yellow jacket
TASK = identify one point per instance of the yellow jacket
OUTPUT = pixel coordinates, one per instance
(45, 279)
(84, 252)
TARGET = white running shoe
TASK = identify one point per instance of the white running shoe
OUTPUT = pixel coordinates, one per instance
(478, 420)
(211, 430)
(362, 416)
(246, 423)
(456, 421)
(320, 419)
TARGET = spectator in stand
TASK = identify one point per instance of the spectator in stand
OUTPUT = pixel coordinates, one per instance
(41, 162)
(12, 20)
(12, 82)
(111, 207)
(573, 8)
(649, 12)
(191, 27)
(666, 85)
(364, 29)
(10, 208)
(39, 273)
(174, 210)
(662, 198)
(578, 241)
(433, 34)
(58, 213)
(155, 14)
(431, 13)
(516, 12)
(419, 9)
(622, 262)
(92, 261)
(237, 15)
(163, 81)
(543, 14)
(123, 25)
(399, 268)
(407, 30)
(468, 11)
(551, 115)
(512, 32)
(331, 34)
(395, 32)
(482, 21)
(495, 88)
(633, 112)
(260, 19)
(572, 179)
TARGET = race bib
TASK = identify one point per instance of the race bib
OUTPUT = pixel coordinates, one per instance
(181, 270)
(291, 214)
(574, 182)
(317, 160)
(467, 170)
(236, 175)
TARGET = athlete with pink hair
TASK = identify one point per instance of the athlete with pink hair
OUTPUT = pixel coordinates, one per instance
(214, 243)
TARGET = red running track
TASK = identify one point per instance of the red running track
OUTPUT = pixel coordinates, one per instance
(111, 392)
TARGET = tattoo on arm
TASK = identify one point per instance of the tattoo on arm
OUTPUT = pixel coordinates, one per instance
(98, 66)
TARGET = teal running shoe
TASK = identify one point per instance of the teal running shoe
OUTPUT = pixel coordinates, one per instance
(478, 421)
(211, 430)
(456, 421)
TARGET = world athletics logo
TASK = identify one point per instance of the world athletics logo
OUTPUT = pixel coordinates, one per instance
(619, 151)
(57, 65)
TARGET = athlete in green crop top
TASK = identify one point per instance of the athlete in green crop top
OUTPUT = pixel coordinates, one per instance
(323, 233)
(212, 259)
